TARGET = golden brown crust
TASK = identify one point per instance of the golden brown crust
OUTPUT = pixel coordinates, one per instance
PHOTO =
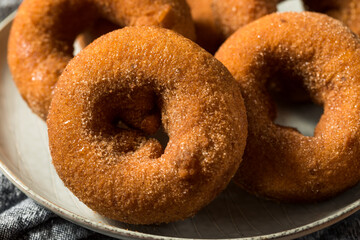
(43, 32)
(130, 74)
(279, 162)
(231, 15)
(208, 35)
(347, 11)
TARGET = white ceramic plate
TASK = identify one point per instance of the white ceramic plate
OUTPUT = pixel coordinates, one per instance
(25, 160)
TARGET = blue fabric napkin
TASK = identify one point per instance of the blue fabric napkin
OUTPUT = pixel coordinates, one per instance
(22, 218)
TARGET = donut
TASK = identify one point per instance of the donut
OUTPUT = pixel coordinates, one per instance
(231, 15)
(43, 33)
(279, 162)
(208, 34)
(346, 11)
(140, 76)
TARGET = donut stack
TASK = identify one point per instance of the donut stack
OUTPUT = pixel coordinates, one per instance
(103, 106)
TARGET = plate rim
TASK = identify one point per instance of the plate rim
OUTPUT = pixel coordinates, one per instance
(120, 232)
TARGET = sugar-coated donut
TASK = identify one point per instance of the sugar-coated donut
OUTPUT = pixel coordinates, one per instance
(231, 15)
(136, 75)
(43, 32)
(279, 162)
(347, 11)
(208, 35)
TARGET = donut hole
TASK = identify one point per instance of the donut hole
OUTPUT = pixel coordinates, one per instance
(124, 117)
(162, 136)
(293, 104)
(329, 7)
(285, 85)
(119, 111)
(95, 30)
(290, 5)
(78, 46)
(303, 116)
(67, 22)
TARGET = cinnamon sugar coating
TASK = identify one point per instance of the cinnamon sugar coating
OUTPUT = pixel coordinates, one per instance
(208, 35)
(279, 162)
(144, 76)
(43, 32)
(231, 15)
(347, 11)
